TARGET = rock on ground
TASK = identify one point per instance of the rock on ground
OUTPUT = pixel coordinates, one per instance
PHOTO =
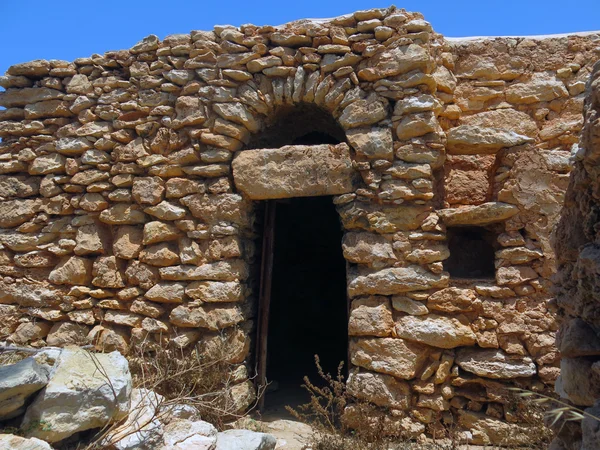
(12, 442)
(245, 440)
(85, 391)
(17, 383)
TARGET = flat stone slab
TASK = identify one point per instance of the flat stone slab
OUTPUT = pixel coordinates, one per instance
(483, 214)
(475, 140)
(294, 171)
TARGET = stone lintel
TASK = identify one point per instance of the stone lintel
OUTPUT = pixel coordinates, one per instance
(294, 171)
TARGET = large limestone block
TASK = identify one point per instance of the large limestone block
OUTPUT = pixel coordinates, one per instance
(188, 435)
(383, 390)
(391, 356)
(435, 330)
(540, 88)
(473, 140)
(503, 119)
(86, 391)
(17, 383)
(26, 96)
(245, 440)
(294, 171)
(494, 363)
(394, 280)
(14, 442)
(485, 214)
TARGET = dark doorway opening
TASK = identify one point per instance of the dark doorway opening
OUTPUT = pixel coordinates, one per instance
(472, 252)
(308, 306)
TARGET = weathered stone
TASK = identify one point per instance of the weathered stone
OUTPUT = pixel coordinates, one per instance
(409, 306)
(52, 163)
(392, 356)
(148, 190)
(363, 112)
(16, 212)
(18, 382)
(27, 96)
(122, 214)
(128, 242)
(372, 143)
(161, 255)
(370, 316)
(472, 139)
(395, 61)
(368, 248)
(166, 293)
(107, 273)
(245, 440)
(159, 232)
(36, 68)
(383, 390)
(452, 300)
(212, 317)
(484, 214)
(436, 331)
(215, 291)
(89, 240)
(493, 363)
(78, 396)
(166, 211)
(486, 430)
(14, 442)
(142, 428)
(394, 281)
(539, 89)
(74, 270)
(66, 333)
(294, 171)
(185, 434)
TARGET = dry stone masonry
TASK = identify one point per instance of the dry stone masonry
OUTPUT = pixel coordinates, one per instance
(132, 182)
(576, 247)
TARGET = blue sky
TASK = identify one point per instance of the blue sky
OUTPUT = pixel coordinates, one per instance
(69, 29)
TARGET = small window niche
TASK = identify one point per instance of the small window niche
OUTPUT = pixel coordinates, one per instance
(472, 253)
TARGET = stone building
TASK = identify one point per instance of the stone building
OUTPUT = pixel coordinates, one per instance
(359, 187)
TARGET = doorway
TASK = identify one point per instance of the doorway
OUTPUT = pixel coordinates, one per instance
(308, 309)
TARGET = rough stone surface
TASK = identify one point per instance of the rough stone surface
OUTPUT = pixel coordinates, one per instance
(18, 382)
(129, 181)
(294, 171)
(245, 440)
(78, 396)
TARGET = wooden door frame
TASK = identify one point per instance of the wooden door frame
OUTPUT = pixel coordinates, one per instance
(264, 299)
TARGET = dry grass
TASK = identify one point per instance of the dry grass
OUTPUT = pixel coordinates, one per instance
(329, 399)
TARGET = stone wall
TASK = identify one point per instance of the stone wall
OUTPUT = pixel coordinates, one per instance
(130, 200)
(578, 257)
